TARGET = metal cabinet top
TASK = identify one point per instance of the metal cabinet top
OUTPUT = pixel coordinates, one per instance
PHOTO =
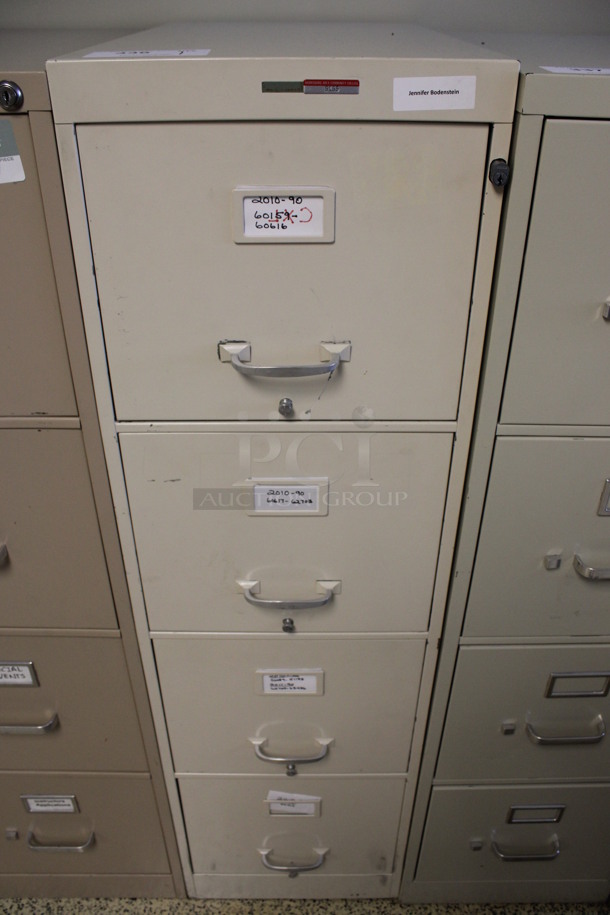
(258, 71)
(561, 75)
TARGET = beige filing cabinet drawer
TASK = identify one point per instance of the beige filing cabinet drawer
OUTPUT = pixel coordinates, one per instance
(547, 508)
(182, 274)
(348, 705)
(79, 824)
(55, 574)
(561, 343)
(549, 833)
(348, 825)
(526, 713)
(372, 533)
(66, 703)
(34, 370)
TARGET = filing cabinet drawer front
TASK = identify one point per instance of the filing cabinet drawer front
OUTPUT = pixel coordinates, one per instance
(395, 282)
(34, 369)
(107, 824)
(55, 575)
(384, 496)
(230, 822)
(528, 713)
(468, 835)
(74, 708)
(349, 701)
(542, 509)
(561, 341)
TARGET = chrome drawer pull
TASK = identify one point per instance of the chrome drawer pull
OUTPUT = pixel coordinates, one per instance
(251, 589)
(589, 572)
(238, 354)
(527, 856)
(34, 729)
(556, 739)
(293, 869)
(258, 744)
(35, 845)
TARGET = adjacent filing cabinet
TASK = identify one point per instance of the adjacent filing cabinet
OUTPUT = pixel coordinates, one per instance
(293, 291)
(514, 801)
(81, 812)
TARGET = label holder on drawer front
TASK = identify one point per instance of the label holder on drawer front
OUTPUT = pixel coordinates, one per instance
(284, 804)
(289, 682)
(523, 814)
(18, 673)
(50, 803)
(565, 685)
(289, 496)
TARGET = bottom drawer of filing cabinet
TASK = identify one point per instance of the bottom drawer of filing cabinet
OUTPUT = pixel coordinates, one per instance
(80, 824)
(229, 701)
(517, 834)
(528, 712)
(66, 703)
(316, 828)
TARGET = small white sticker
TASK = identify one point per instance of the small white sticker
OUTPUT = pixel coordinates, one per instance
(19, 673)
(50, 803)
(268, 216)
(278, 498)
(585, 71)
(283, 804)
(185, 52)
(291, 682)
(434, 93)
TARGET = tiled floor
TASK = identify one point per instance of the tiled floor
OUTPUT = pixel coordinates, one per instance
(283, 907)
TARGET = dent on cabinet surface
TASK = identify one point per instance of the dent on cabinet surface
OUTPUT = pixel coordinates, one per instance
(513, 797)
(286, 424)
(84, 807)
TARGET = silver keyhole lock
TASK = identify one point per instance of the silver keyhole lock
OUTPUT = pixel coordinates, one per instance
(286, 407)
(288, 625)
(11, 96)
(291, 769)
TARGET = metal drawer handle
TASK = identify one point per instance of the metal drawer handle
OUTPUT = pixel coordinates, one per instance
(258, 744)
(33, 729)
(239, 353)
(293, 869)
(3, 554)
(252, 588)
(505, 855)
(35, 845)
(556, 739)
(589, 572)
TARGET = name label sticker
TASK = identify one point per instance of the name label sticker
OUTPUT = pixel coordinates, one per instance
(50, 803)
(584, 71)
(434, 93)
(283, 804)
(184, 52)
(279, 682)
(17, 673)
(11, 167)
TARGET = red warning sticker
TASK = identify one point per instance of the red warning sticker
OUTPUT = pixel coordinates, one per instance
(331, 86)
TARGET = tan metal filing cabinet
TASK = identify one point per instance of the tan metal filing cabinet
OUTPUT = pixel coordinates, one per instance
(84, 810)
(292, 229)
(513, 800)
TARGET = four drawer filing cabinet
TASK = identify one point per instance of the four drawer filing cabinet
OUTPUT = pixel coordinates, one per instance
(517, 759)
(80, 813)
(292, 232)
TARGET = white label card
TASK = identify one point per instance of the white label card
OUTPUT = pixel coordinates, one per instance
(283, 804)
(269, 216)
(11, 166)
(434, 93)
(292, 682)
(20, 673)
(50, 803)
(283, 498)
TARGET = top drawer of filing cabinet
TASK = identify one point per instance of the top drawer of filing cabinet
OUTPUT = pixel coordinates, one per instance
(34, 370)
(561, 343)
(178, 273)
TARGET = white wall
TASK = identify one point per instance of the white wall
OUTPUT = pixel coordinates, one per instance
(561, 16)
